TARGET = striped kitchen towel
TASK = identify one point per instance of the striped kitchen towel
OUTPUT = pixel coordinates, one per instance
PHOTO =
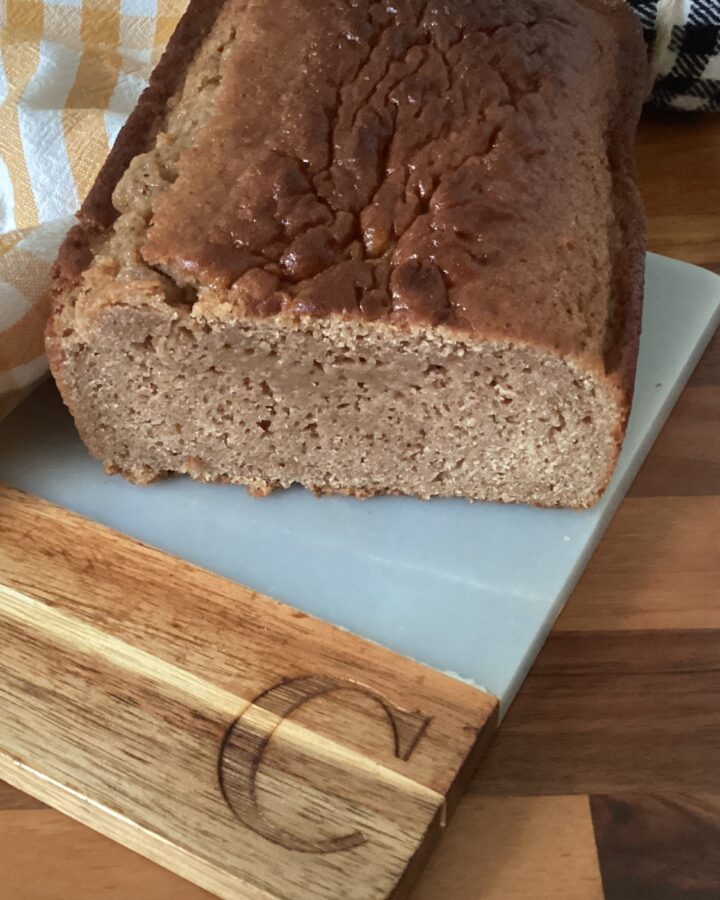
(71, 71)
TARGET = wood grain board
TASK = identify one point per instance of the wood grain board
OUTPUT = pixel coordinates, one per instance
(603, 780)
(239, 742)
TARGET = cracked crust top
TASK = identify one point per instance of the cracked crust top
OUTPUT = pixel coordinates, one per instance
(446, 163)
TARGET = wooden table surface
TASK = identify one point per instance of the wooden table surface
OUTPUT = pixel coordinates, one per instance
(604, 780)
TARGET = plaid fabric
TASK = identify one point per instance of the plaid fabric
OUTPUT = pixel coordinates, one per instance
(684, 36)
(647, 10)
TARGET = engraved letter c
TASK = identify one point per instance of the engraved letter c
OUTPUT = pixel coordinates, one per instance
(247, 739)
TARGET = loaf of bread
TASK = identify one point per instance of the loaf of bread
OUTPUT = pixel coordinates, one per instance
(367, 247)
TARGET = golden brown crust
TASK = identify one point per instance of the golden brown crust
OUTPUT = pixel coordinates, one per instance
(622, 340)
(422, 164)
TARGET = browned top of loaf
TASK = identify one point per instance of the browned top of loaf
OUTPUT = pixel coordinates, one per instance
(451, 162)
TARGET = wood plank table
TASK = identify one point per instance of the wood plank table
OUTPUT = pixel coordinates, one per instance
(604, 779)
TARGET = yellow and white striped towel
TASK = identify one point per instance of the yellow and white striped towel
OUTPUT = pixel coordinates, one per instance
(70, 72)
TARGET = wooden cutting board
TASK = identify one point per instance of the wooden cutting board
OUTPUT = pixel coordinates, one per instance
(253, 749)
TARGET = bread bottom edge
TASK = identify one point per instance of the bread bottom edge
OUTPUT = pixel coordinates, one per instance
(338, 409)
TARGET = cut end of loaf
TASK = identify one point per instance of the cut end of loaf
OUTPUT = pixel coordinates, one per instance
(337, 408)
